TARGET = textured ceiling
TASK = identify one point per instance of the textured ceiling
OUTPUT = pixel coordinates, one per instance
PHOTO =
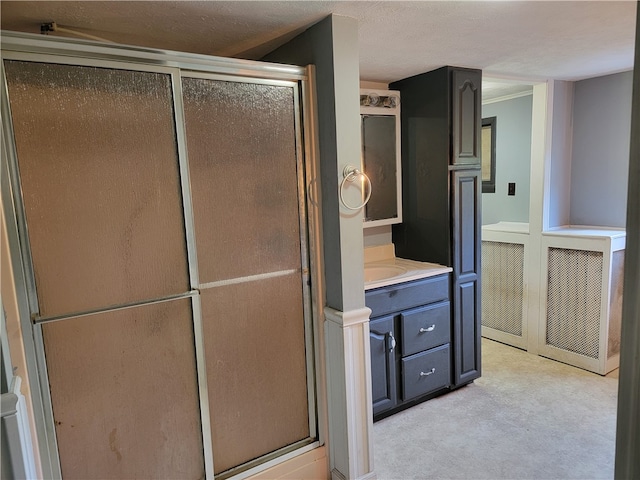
(533, 40)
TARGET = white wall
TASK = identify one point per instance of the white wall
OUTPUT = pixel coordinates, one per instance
(600, 150)
(513, 160)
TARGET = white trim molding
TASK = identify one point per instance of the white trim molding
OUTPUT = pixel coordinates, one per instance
(349, 390)
(347, 319)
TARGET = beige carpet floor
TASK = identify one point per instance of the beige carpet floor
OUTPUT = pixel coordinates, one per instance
(527, 417)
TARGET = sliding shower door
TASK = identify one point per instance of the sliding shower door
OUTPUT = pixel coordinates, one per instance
(162, 221)
(99, 169)
(99, 173)
(246, 178)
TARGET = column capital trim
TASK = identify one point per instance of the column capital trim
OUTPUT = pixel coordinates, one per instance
(348, 318)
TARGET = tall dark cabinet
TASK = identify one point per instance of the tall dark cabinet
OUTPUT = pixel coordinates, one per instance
(442, 187)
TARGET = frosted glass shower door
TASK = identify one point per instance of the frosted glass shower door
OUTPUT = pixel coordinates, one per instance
(244, 166)
(125, 394)
(99, 171)
(99, 174)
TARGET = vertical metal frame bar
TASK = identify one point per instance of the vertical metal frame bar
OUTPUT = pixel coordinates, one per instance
(198, 327)
(16, 189)
(313, 218)
(185, 177)
(306, 263)
(24, 281)
(43, 377)
(203, 388)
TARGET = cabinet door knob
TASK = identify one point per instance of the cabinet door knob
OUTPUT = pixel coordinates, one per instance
(426, 374)
(428, 329)
(392, 342)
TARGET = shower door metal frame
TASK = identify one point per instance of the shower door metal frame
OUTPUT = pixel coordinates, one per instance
(255, 466)
(34, 48)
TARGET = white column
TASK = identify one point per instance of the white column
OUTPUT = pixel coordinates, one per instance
(349, 393)
(539, 195)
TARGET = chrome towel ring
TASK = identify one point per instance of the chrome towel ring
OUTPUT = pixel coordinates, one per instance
(350, 174)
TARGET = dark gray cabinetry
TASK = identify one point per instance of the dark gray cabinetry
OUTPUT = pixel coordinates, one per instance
(466, 116)
(383, 363)
(410, 335)
(466, 230)
(425, 372)
(441, 126)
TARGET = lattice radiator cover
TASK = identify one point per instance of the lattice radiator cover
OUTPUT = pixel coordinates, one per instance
(574, 300)
(615, 303)
(503, 286)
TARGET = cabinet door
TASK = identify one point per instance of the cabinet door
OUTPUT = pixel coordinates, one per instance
(466, 117)
(466, 190)
(383, 364)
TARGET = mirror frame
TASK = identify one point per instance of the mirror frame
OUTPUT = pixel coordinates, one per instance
(385, 110)
(489, 164)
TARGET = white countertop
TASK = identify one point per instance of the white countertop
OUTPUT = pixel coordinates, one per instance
(399, 269)
(586, 231)
(511, 227)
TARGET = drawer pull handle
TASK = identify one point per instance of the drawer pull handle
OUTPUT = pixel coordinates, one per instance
(426, 374)
(429, 329)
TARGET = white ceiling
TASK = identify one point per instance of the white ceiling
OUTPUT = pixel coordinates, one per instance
(532, 40)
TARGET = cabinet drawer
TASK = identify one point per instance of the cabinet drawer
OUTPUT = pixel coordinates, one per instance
(402, 296)
(426, 372)
(425, 328)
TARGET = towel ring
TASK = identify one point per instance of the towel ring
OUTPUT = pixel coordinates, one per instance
(349, 174)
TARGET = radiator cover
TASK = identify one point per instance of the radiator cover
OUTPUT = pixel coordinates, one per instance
(503, 286)
(574, 300)
(581, 292)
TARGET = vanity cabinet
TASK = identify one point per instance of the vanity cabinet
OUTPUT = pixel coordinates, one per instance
(382, 334)
(410, 336)
(442, 187)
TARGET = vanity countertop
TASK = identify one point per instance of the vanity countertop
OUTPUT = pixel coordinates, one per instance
(382, 268)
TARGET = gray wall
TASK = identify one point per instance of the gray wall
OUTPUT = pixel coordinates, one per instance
(513, 160)
(557, 211)
(332, 46)
(600, 150)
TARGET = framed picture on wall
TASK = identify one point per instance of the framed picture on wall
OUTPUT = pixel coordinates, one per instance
(489, 155)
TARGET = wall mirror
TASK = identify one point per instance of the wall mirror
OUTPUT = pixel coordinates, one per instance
(380, 128)
(489, 155)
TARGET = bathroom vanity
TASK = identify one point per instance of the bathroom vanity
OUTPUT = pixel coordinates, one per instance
(410, 330)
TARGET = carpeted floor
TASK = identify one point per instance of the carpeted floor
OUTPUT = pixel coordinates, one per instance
(527, 417)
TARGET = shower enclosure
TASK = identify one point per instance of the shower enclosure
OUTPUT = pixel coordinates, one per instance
(161, 218)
